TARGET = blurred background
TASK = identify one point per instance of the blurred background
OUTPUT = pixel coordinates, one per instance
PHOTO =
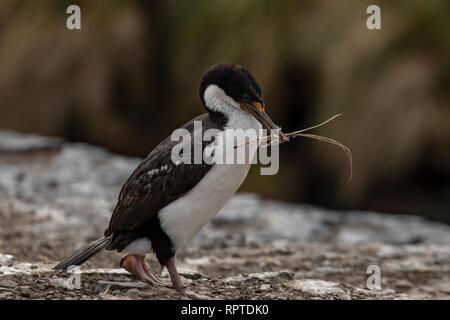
(131, 75)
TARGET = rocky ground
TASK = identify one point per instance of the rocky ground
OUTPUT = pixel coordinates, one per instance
(55, 196)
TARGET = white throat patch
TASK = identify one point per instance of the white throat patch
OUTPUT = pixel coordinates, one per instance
(218, 101)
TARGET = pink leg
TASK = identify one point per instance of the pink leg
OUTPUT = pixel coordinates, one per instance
(178, 284)
(136, 265)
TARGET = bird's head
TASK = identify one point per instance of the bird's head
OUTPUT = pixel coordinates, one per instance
(227, 88)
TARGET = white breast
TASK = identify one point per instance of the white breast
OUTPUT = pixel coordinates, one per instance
(184, 218)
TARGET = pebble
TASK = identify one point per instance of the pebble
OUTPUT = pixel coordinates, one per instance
(6, 260)
(265, 287)
(403, 284)
(188, 274)
(114, 285)
(5, 295)
(284, 274)
(320, 289)
(71, 293)
(6, 283)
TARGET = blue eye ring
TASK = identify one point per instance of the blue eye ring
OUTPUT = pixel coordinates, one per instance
(246, 98)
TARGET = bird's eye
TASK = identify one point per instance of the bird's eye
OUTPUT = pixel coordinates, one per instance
(246, 98)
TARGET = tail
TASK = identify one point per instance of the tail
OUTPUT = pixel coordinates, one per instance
(83, 254)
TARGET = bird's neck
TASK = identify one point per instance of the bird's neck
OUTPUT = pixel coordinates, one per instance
(234, 119)
(217, 101)
(218, 117)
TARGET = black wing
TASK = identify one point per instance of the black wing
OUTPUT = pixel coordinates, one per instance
(146, 192)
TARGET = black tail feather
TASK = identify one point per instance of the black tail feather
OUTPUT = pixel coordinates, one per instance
(83, 254)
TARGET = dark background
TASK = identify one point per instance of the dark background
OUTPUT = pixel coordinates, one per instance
(131, 76)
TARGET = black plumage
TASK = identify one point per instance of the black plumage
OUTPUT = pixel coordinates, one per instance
(143, 195)
(234, 80)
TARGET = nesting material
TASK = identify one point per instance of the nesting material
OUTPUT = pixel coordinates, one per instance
(272, 140)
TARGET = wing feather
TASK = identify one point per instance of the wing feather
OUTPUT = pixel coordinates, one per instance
(155, 183)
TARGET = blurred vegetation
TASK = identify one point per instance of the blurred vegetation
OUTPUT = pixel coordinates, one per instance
(131, 76)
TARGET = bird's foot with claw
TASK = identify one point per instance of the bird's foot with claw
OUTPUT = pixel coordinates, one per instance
(161, 283)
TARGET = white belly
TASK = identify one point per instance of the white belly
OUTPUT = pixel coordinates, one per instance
(183, 218)
(140, 246)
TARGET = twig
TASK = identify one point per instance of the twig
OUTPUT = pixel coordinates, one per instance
(272, 140)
